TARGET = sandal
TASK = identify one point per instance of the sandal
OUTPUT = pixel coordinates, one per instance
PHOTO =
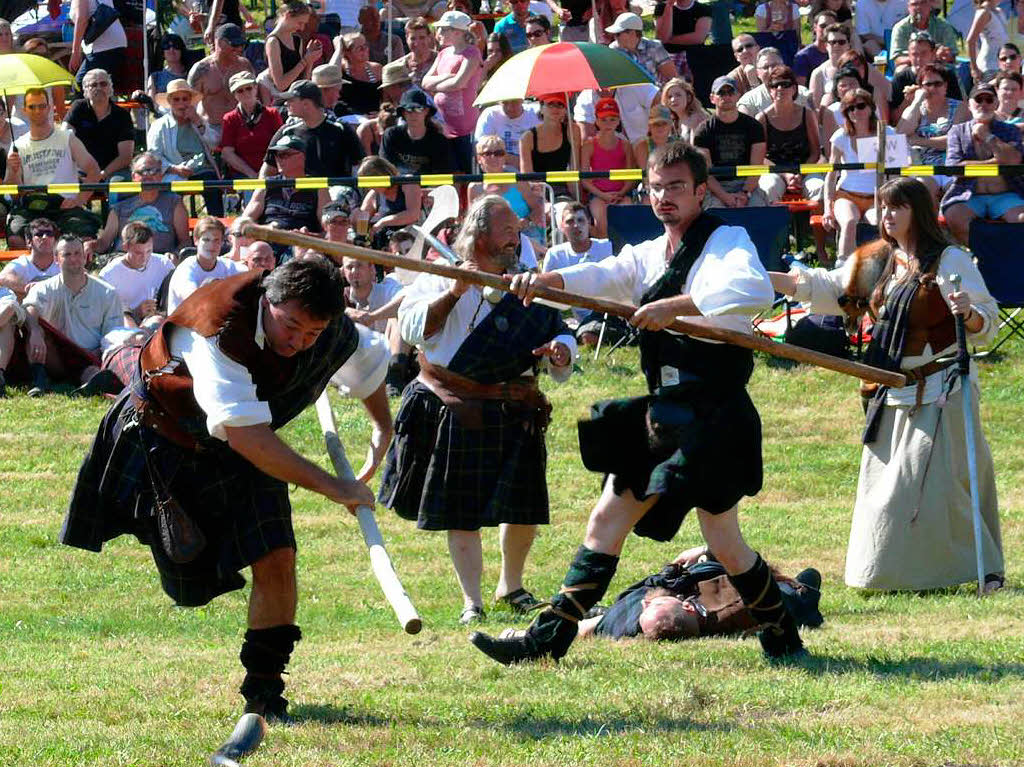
(521, 601)
(472, 614)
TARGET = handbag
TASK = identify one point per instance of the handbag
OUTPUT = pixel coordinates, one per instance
(99, 22)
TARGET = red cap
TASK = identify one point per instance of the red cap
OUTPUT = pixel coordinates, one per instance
(559, 97)
(607, 107)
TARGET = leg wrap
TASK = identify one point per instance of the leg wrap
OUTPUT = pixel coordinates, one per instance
(265, 654)
(761, 593)
(584, 585)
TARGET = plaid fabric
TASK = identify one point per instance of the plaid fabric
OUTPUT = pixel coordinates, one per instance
(123, 361)
(243, 513)
(73, 357)
(449, 478)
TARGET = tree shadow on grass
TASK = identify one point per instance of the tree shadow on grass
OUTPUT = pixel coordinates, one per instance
(914, 667)
(538, 727)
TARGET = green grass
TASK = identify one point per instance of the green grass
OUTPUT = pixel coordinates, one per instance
(98, 668)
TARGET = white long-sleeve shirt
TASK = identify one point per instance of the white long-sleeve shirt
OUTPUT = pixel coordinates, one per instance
(727, 282)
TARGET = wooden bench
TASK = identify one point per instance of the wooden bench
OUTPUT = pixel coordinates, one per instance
(10, 255)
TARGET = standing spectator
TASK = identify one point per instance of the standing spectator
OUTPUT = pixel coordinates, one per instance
(492, 157)
(173, 49)
(778, 16)
(287, 208)
(687, 111)
(454, 79)
(987, 35)
(547, 147)
(661, 129)
(383, 46)
(104, 52)
(421, 53)
(607, 12)
(731, 138)
(649, 54)
(745, 50)
(498, 51)
(287, 60)
(38, 264)
(361, 76)
(138, 275)
(983, 138)
(921, 50)
(575, 16)
(509, 120)
(248, 128)
(225, 12)
(49, 154)
(874, 19)
(103, 127)
(680, 23)
(162, 212)
(392, 207)
(212, 75)
(813, 55)
(477, 28)
(206, 265)
(179, 140)
(920, 19)
(791, 138)
(538, 31)
(70, 319)
(417, 144)
(758, 99)
(513, 26)
(606, 151)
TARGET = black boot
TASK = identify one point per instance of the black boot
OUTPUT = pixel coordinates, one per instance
(779, 636)
(555, 628)
(3, 384)
(265, 654)
(40, 381)
(101, 382)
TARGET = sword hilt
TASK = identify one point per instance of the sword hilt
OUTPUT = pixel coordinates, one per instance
(963, 357)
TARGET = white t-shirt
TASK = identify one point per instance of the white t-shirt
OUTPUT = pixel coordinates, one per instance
(856, 181)
(134, 285)
(381, 293)
(562, 256)
(634, 108)
(494, 122)
(112, 37)
(190, 275)
(28, 272)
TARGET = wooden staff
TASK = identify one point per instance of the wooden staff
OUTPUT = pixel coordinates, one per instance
(379, 559)
(758, 343)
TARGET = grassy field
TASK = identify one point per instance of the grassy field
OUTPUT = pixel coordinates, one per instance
(98, 668)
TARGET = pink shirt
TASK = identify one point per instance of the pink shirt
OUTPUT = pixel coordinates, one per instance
(457, 107)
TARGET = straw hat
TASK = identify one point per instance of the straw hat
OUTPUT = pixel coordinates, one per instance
(176, 86)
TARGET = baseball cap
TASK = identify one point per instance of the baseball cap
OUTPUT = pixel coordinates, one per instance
(624, 22)
(240, 80)
(607, 107)
(304, 89)
(723, 82)
(288, 142)
(559, 97)
(660, 113)
(336, 209)
(983, 88)
(454, 19)
(230, 32)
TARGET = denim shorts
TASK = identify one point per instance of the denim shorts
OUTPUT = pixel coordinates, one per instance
(994, 205)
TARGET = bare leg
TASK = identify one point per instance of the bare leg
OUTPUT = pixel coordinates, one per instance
(724, 539)
(516, 541)
(1014, 215)
(958, 219)
(468, 558)
(274, 593)
(613, 518)
(847, 215)
(599, 210)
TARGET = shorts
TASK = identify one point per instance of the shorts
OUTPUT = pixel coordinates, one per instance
(994, 205)
(864, 202)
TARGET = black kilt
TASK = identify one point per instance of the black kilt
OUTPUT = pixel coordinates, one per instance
(243, 513)
(447, 477)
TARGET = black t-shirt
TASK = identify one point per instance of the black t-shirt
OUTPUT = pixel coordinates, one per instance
(430, 154)
(332, 149)
(100, 136)
(576, 9)
(907, 76)
(729, 143)
(684, 22)
(291, 209)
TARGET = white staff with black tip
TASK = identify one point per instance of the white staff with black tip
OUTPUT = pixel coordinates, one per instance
(244, 739)
(964, 369)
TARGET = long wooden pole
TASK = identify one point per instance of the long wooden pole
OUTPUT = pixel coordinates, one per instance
(758, 343)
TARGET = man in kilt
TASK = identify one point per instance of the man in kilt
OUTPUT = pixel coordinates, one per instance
(188, 461)
(469, 446)
(695, 440)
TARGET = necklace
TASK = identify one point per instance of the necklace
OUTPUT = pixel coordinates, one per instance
(472, 321)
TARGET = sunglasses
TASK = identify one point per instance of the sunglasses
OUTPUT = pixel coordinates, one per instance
(858, 107)
(744, 47)
(535, 34)
(835, 41)
(934, 83)
(44, 233)
(414, 109)
(781, 84)
(492, 153)
(984, 99)
(1009, 57)
(150, 171)
(726, 92)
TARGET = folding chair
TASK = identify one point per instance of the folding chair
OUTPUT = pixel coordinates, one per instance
(996, 248)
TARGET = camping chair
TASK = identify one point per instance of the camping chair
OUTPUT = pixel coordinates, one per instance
(996, 248)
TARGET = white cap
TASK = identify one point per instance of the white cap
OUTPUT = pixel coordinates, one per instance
(455, 19)
(625, 22)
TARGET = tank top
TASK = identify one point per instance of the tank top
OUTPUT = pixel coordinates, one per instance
(360, 96)
(290, 57)
(788, 147)
(555, 160)
(608, 159)
(933, 129)
(157, 215)
(48, 160)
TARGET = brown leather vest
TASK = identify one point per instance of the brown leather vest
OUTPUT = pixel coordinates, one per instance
(931, 321)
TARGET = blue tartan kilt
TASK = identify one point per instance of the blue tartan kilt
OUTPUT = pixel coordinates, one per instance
(447, 477)
(243, 513)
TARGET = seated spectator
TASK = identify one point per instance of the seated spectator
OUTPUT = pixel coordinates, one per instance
(497, 52)
(389, 208)
(11, 315)
(837, 39)
(371, 132)
(634, 105)
(575, 18)
(687, 111)
(921, 50)
(1009, 86)
(49, 154)
(845, 80)
(547, 147)
(661, 129)
(395, 80)
(927, 121)
(378, 40)
(105, 52)
(920, 19)
(841, 8)
(988, 32)
(513, 26)
(983, 138)
(606, 151)
(877, 85)
(287, 60)
(259, 255)
(206, 265)
(137, 276)
(847, 201)
(248, 128)
(731, 138)
(103, 127)
(758, 99)
(791, 138)
(874, 19)
(173, 49)
(777, 16)
(360, 77)
(651, 55)
(163, 213)
(679, 24)
(454, 81)
(1009, 58)
(417, 144)
(814, 54)
(179, 140)
(211, 78)
(492, 157)
(364, 295)
(38, 264)
(745, 50)
(70, 320)
(538, 31)
(421, 55)
(6, 37)
(332, 149)
(509, 120)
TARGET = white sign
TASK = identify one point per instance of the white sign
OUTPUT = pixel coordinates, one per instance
(897, 151)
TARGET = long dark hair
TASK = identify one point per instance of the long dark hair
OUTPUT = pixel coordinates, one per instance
(927, 240)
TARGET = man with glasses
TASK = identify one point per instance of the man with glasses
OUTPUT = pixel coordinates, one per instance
(161, 211)
(837, 43)
(812, 56)
(921, 50)
(210, 77)
(513, 26)
(755, 101)
(538, 31)
(628, 30)
(103, 127)
(920, 20)
(49, 154)
(39, 264)
(745, 50)
(248, 128)
(986, 140)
